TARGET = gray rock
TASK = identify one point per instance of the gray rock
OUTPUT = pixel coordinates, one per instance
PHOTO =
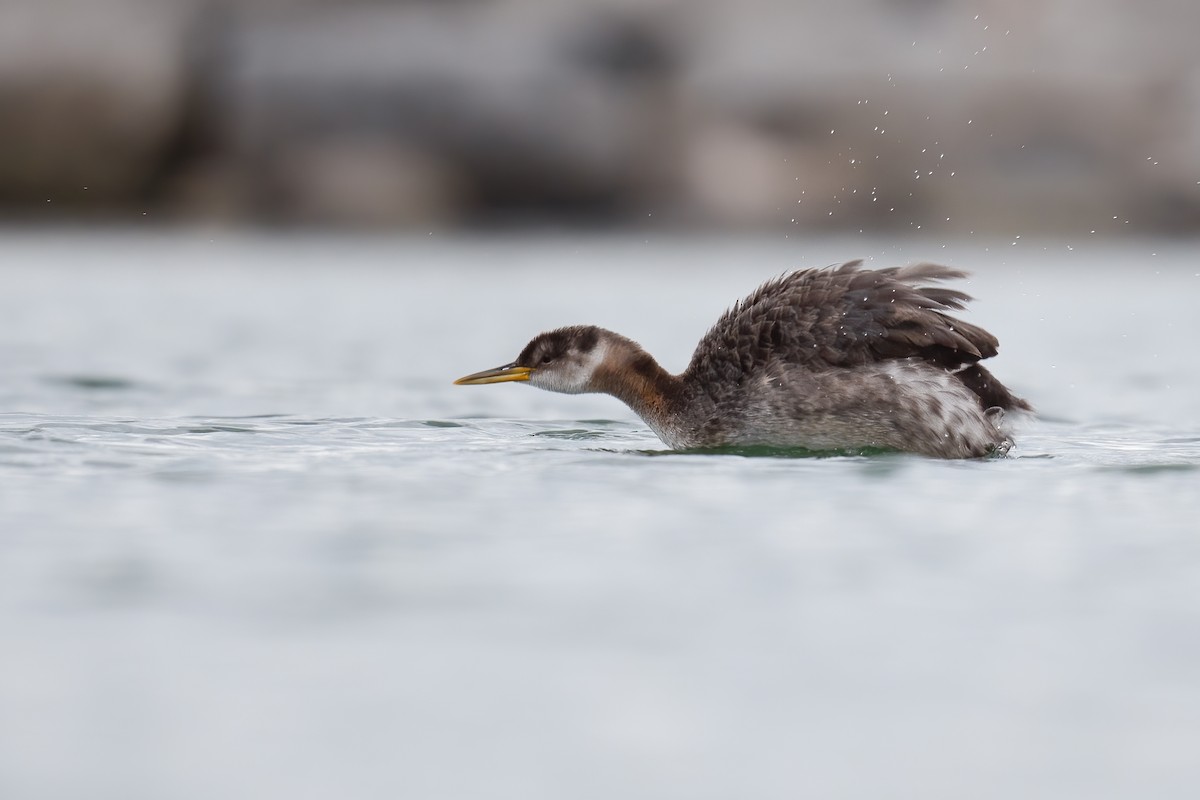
(90, 97)
(872, 115)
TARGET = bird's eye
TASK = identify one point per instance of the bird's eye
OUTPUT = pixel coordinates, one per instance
(546, 359)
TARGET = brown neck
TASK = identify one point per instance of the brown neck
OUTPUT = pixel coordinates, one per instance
(638, 381)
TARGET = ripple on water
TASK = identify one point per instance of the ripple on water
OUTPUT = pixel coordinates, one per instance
(204, 429)
(573, 434)
(767, 451)
(1114, 446)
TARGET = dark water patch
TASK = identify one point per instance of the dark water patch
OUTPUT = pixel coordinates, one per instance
(115, 583)
(17, 448)
(99, 383)
(99, 463)
(1053, 419)
(187, 475)
(392, 424)
(1150, 469)
(207, 429)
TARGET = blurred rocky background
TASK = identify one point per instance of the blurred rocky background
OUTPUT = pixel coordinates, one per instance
(881, 115)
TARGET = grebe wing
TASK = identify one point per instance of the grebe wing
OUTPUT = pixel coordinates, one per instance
(843, 316)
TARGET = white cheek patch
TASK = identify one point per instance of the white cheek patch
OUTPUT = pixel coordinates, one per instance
(571, 374)
(592, 360)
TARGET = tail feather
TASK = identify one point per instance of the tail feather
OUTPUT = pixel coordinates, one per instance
(991, 391)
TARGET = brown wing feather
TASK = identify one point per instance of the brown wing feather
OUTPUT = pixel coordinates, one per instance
(842, 317)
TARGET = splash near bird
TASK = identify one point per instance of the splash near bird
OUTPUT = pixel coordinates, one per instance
(836, 359)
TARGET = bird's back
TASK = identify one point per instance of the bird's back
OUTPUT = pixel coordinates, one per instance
(845, 317)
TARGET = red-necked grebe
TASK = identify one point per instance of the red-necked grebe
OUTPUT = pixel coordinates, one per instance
(843, 358)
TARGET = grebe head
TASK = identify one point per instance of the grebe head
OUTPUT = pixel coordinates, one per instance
(564, 360)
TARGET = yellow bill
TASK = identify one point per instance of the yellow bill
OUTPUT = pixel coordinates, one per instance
(498, 375)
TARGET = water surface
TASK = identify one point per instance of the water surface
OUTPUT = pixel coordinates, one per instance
(253, 543)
